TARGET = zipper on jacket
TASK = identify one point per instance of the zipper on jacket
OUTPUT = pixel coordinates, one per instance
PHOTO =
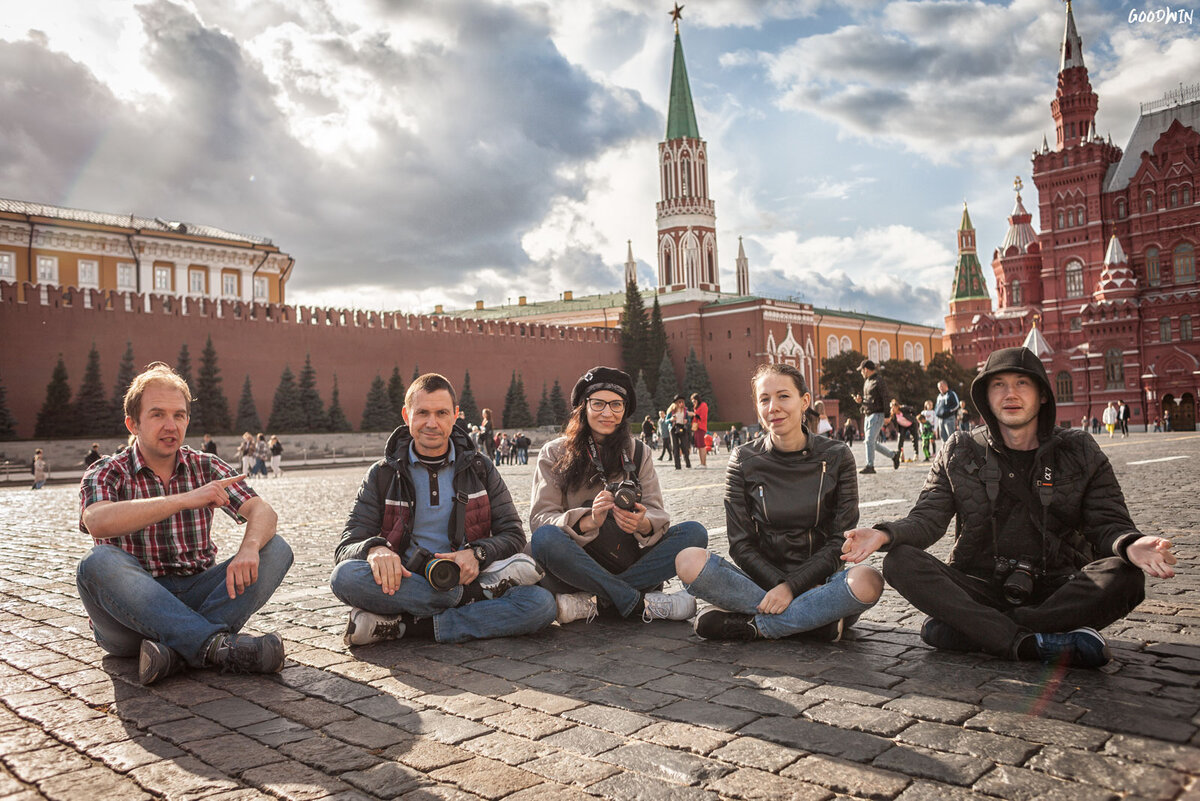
(820, 492)
(762, 496)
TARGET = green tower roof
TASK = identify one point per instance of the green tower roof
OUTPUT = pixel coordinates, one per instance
(968, 279)
(681, 117)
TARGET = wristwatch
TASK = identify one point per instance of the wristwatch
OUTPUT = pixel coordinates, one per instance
(480, 553)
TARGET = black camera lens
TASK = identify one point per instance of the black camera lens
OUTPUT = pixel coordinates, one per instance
(1018, 586)
(442, 574)
(625, 498)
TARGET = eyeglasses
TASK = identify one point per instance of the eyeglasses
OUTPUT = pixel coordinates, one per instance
(597, 405)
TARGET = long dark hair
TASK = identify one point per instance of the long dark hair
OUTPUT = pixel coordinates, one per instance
(574, 467)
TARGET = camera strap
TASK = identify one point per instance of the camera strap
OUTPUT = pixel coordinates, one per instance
(594, 455)
(990, 474)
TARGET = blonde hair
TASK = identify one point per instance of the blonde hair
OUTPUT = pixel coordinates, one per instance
(155, 373)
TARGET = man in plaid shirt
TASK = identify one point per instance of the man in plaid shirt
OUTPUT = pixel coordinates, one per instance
(150, 584)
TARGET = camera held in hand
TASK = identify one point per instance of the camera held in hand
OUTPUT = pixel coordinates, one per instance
(626, 494)
(442, 574)
(1018, 576)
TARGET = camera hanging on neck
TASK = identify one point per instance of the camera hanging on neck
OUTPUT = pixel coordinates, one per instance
(626, 461)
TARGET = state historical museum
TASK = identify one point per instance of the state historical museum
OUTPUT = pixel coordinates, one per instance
(1107, 292)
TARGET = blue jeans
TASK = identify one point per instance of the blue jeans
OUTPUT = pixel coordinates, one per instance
(946, 427)
(566, 560)
(521, 610)
(874, 422)
(724, 585)
(127, 605)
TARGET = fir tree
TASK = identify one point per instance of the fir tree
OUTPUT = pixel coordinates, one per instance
(56, 418)
(645, 402)
(668, 386)
(522, 417)
(633, 330)
(184, 367)
(311, 409)
(510, 403)
(395, 391)
(210, 410)
(286, 414)
(125, 375)
(416, 372)
(8, 424)
(558, 405)
(656, 347)
(466, 400)
(247, 413)
(91, 407)
(335, 417)
(695, 379)
(378, 414)
(545, 414)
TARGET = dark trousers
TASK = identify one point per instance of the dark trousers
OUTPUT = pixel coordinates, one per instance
(665, 453)
(1095, 595)
(679, 444)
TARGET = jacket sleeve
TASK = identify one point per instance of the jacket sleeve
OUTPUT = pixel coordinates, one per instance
(743, 538)
(828, 558)
(546, 500)
(366, 519)
(931, 514)
(1106, 521)
(508, 535)
(652, 498)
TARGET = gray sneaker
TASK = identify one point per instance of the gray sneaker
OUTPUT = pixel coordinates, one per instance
(519, 570)
(368, 628)
(245, 653)
(156, 661)
(575, 606)
(675, 606)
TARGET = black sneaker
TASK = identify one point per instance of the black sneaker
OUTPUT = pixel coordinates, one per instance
(1082, 647)
(830, 632)
(156, 661)
(717, 624)
(243, 653)
(945, 637)
(868, 470)
(896, 460)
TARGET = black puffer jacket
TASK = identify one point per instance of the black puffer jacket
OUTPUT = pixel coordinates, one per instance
(1086, 517)
(786, 511)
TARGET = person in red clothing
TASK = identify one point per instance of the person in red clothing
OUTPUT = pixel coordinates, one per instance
(700, 410)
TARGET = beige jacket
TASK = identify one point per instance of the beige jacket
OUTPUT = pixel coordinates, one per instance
(550, 504)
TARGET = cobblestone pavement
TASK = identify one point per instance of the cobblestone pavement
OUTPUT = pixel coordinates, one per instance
(618, 710)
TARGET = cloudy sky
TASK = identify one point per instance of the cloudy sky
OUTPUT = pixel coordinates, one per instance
(415, 152)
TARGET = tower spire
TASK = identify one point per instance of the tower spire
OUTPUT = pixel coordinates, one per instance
(681, 116)
(743, 270)
(631, 275)
(1072, 45)
(1074, 105)
(968, 273)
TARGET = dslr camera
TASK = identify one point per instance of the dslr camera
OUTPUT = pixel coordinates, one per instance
(1017, 576)
(625, 493)
(442, 574)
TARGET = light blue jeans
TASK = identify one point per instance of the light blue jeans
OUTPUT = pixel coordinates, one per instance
(127, 605)
(566, 560)
(725, 585)
(874, 422)
(946, 427)
(520, 610)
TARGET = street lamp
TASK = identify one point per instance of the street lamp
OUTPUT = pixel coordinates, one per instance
(1087, 359)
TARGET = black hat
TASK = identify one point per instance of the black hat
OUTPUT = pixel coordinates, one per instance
(867, 364)
(1014, 360)
(609, 378)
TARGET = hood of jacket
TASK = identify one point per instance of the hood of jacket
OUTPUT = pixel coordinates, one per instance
(1014, 360)
(396, 450)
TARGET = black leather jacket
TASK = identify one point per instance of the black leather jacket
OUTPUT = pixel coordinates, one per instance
(786, 512)
(874, 395)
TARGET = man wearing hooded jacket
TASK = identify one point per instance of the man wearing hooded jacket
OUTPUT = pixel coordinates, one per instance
(433, 496)
(1045, 552)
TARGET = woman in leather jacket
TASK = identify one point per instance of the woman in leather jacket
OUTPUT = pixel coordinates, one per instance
(789, 497)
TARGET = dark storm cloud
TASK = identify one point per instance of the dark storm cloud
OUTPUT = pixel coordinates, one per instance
(467, 147)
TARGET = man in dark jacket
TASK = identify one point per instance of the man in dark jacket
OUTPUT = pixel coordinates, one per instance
(1045, 551)
(874, 402)
(433, 546)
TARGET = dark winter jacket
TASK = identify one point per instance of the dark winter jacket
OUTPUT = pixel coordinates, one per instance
(382, 513)
(1086, 517)
(786, 512)
(874, 395)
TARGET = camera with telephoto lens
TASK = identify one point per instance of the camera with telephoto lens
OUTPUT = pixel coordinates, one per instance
(442, 574)
(625, 493)
(1018, 576)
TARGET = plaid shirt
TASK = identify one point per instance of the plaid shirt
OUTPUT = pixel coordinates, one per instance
(180, 544)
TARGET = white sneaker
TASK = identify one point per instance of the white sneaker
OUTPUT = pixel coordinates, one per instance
(675, 606)
(367, 628)
(519, 570)
(575, 606)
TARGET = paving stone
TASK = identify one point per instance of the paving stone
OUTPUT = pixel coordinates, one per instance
(765, 701)
(442, 727)
(89, 733)
(510, 669)
(812, 736)
(385, 780)
(439, 792)
(337, 690)
(925, 791)
(847, 777)
(508, 748)
(690, 687)
(277, 731)
(703, 713)
(633, 787)
(751, 752)
(188, 729)
(233, 713)
(941, 737)
(33, 766)
(1019, 784)
(182, 778)
(427, 755)
(756, 785)
(938, 710)
(134, 752)
(1141, 749)
(312, 712)
(632, 698)
(583, 740)
(92, 782)
(485, 777)
(928, 764)
(1133, 719)
(186, 692)
(1039, 730)
(550, 792)
(384, 707)
(465, 704)
(1107, 772)
(233, 753)
(618, 721)
(861, 718)
(566, 768)
(665, 763)
(329, 755)
(697, 739)
(366, 733)
(294, 781)
(549, 703)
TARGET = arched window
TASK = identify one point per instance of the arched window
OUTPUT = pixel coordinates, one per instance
(919, 353)
(1064, 388)
(685, 168)
(1074, 276)
(873, 350)
(1014, 293)
(1079, 216)
(1120, 208)
(1114, 370)
(1174, 200)
(1153, 272)
(1164, 329)
(1070, 218)
(1187, 195)
(831, 347)
(1185, 328)
(908, 352)
(1061, 219)
(885, 350)
(846, 344)
(1185, 264)
(1149, 200)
